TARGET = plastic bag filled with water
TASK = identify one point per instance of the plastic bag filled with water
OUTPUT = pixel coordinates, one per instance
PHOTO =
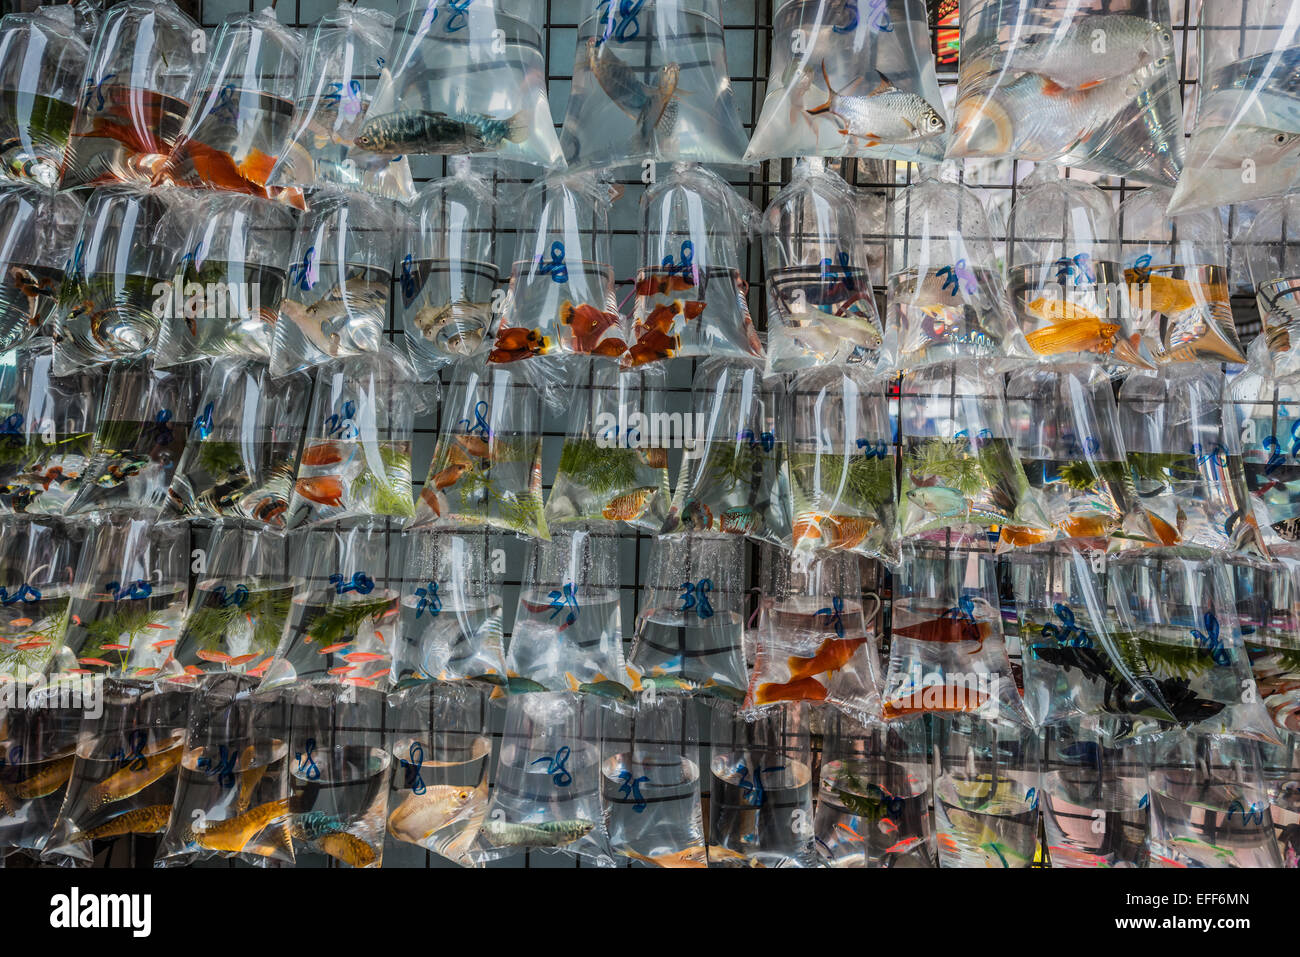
(546, 794)
(232, 794)
(614, 463)
(946, 652)
(851, 79)
(1185, 624)
(37, 235)
(961, 476)
(225, 297)
(36, 565)
(438, 784)
(568, 630)
(464, 79)
(1281, 767)
(356, 458)
(1271, 249)
(734, 478)
(123, 776)
(487, 463)
(116, 290)
(447, 272)
(1268, 610)
(241, 114)
(42, 61)
(139, 438)
(46, 439)
(842, 492)
(1065, 282)
(1185, 455)
(339, 281)
(650, 83)
(947, 299)
(1209, 806)
(873, 796)
(339, 767)
(691, 295)
(1266, 411)
(239, 605)
(343, 617)
(243, 445)
(451, 609)
(760, 787)
(144, 65)
(817, 635)
(344, 56)
(818, 281)
(1088, 85)
(690, 630)
(650, 783)
(1176, 273)
(1244, 140)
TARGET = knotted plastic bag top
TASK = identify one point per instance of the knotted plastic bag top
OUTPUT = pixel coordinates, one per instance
(851, 79)
(42, 60)
(144, 64)
(818, 280)
(1272, 253)
(345, 53)
(691, 297)
(1176, 271)
(464, 78)
(35, 581)
(37, 230)
(1060, 83)
(650, 83)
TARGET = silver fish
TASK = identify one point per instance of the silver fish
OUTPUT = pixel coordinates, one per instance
(422, 131)
(1215, 162)
(1092, 49)
(885, 115)
(653, 107)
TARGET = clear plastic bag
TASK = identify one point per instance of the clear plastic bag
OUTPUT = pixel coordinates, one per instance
(140, 78)
(849, 81)
(1266, 411)
(1088, 85)
(1281, 767)
(343, 625)
(441, 752)
(117, 287)
(42, 60)
(47, 440)
(842, 491)
(947, 298)
(448, 274)
(817, 635)
(37, 235)
(650, 83)
(568, 630)
(356, 460)
(1272, 252)
(1176, 272)
(139, 438)
(451, 609)
(1064, 274)
(340, 278)
(546, 795)
(36, 559)
(487, 464)
(650, 784)
(691, 295)
(1247, 117)
(614, 463)
(734, 478)
(232, 796)
(818, 280)
(243, 446)
(873, 797)
(961, 476)
(128, 599)
(760, 789)
(225, 297)
(240, 604)
(689, 633)
(39, 727)
(344, 56)
(462, 79)
(241, 115)
(1268, 609)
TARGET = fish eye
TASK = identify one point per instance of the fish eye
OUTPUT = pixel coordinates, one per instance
(1281, 139)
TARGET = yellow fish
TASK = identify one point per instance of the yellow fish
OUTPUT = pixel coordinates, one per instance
(1152, 292)
(629, 506)
(251, 777)
(349, 849)
(126, 782)
(1053, 309)
(697, 856)
(47, 780)
(233, 835)
(144, 820)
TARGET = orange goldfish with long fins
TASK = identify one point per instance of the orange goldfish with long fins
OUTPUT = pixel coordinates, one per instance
(833, 655)
(801, 689)
(947, 630)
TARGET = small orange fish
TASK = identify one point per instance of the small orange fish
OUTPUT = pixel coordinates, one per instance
(433, 498)
(1167, 534)
(146, 672)
(157, 627)
(378, 674)
(349, 849)
(518, 343)
(1164, 294)
(663, 285)
(342, 669)
(362, 656)
(849, 531)
(29, 645)
(690, 857)
(242, 660)
(1087, 526)
(332, 649)
(692, 309)
(327, 453)
(22, 623)
(628, 506)
(588, 323)
(446, 479)
(946, 631)
(833, 655)
(611, 348)
(952, 699)
(661, 318)
(99, 662)
(802, 689)
(651, 347)
(322, 489)
(1017, 536)
(161, 645)
(215, 657)
(233, 834)
(1058, 310)
(474, 445)
(115, 646)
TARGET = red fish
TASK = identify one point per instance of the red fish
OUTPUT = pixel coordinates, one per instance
(363, 656)
(951, 700)
(331, 649)
(652, 347)
(322, 489)
(96, 661)
(833, 655)
(215, 657)
(660, 285)
(518, 343)
(432, 497)
(474, 445)
(661, 318)
(693, 309)
(610, 348)
(588, 324)
(803, 689)
(946, 631)
(327, 453)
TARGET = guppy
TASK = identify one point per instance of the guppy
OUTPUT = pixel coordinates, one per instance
(423, 131)
(653, 107)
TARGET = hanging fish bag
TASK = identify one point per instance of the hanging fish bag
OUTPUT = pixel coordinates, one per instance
(38, 229)
(36, 565)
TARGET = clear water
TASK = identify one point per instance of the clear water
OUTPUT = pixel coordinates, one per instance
(546, 648)
(1203, 823)
(462, 639)
(343, 314)
(595, 484)
(331, 637)
(447, 306)
(28, 295)
(438, 793)
(935, 321)
(760, 808)
(339, 801)
(737, 488)
(709, 318)
(682, 651)
(110, 316)
(31, 632)
(222, 783)
(123, 135)
(1093, 823)
(821, 320)
(126, 637)
(225, 308)
(34, 131)
(981, 823)
(358, 477)
(652, 805)
(246, 479)
(226, 630)
(873, 815)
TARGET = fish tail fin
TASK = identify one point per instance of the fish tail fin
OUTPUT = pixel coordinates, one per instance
(518, 125)
(831, 93)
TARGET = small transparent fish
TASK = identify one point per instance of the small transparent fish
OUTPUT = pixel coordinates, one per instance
(653, 107)
(548, 834)
(938, 500)
(145, 820)
(689, 857)
(422, 131)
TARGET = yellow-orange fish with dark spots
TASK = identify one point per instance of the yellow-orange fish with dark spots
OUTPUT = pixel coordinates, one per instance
(145, 820)
(232, 836)
(629, 506)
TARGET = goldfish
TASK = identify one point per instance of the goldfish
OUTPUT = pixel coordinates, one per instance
(833, 655)
(233, 834)
(1017, 536)
(45, 781)
(144, 820)
(517, 343)
(630, 505)
(547, 834)
(420, 816)
(1068, 55)
(697, 856)
(1084, 334)
(321, 489)
(885, 115)
(326, 453)
(654, 108)
(426, 131)
(947, 630)
(1087, 526)
(651, 347)
(947, 699)
(800, 689)
(127, 782)
(219, 170)
(1167, 534)
(1055, 309)
(849, 531)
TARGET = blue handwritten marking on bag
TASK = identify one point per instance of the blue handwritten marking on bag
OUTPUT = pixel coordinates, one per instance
(873, 450)
(226, 108)
(687, 264)
(695, 597)
(1071, 635)
(480, 426)
(429, 601)
(957, 276)
(879, 20)
(223, 769)
(1277, 457)
(620, 19)
(565, 598)
(1215, 454)
(203, 424)
(409, 288)
(834, 615)
(765, 439)
(1074, 267)
(343, 426)
(134, 591)
(303, 275)
(1255, 813)
(965, 609)
(1211, 642)
(25, 593)
(307, 766)
(162, 432)
(830, 271)
(12, 430)
(631, 787)
(555, 767)
(414, 782)
(95, 92)
(556, 269)
(135, 759)
(361, 583)
(753, 791)
(235, 598)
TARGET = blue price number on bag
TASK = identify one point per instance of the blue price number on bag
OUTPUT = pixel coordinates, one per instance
(234, 599)
(832, 272)
(620, 19)
(162, 430)
(556, 269)
(752, 790)
(1210, 640)
(1074, 449)
(342, 425)
(480, 425)
(957, 278)
(414, 782)
(360, 582)
(765, 440)
(687, 263)
(11, 430)
(556, 767)
(223, 769)
(134, 759)
(1215, 454)
(307, 766)
(225, 107)
(133, 591)
(203, 424)
(24, 593)
(1069, 634)
(834, 615)
(565, 597)
(303, 275)
(631, 788)
(873, 450)
(1277, 456)
(695, 597)
(1074, 268)
(429, 601)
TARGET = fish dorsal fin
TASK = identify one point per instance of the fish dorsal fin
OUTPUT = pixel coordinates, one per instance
(884, 86)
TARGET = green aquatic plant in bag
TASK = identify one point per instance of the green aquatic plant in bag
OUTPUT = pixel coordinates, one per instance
(37, 559)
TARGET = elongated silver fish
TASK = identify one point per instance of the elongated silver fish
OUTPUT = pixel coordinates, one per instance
(422, 131)
(1092, 49)
(885, 115)
(548, 834)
